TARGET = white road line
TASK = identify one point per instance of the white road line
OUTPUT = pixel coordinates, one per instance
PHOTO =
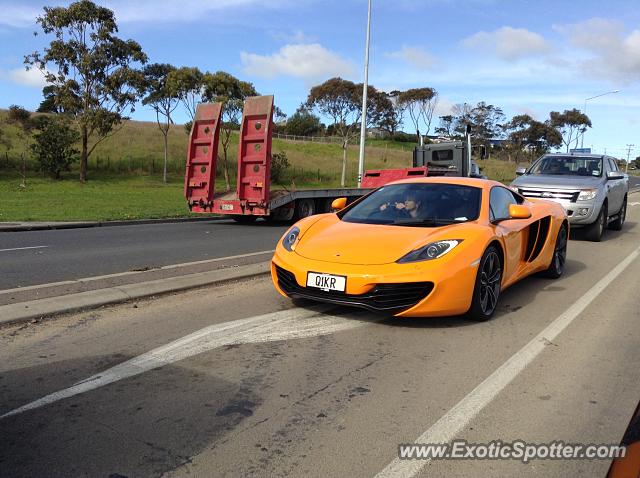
(450, 424)
(22, 248)
(283, 325)
(128, 273)
(634, 204)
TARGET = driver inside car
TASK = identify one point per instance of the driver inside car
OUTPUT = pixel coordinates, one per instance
(408, 208)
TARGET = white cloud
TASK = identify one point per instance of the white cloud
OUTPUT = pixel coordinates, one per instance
(19, 15)
(295, 36)
(414, 56)
(509, 43)
(21, 76)
(609, 53)
(308, 61)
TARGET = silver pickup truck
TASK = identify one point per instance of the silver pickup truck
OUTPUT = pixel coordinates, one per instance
(590, 187)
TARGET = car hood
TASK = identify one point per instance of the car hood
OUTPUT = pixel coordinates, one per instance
(558, 182)
(333, 240)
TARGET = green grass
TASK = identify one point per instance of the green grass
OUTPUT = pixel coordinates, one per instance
(103, 198)
(125, 182)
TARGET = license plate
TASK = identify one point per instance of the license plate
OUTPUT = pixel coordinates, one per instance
(326, 282)
(226, 207)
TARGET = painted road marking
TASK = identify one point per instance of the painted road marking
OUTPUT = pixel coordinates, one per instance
(634, 204)
(282, 325)
(128, 273)
(22, 248)
(450, 424)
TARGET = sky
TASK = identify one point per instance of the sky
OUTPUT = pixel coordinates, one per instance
(524, 56)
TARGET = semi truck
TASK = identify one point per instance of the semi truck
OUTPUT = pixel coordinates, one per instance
(253, 196)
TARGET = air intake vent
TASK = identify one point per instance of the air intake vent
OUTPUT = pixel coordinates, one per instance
(382, 298)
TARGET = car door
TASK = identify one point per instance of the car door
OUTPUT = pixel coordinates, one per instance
(511, 230)
(615, 187)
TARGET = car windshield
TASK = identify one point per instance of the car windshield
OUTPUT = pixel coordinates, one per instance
(568, 166)
(417, 204)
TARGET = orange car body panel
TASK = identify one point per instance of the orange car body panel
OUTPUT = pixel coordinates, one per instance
(367, 253)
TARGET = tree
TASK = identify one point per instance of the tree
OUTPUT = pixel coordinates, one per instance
(48, 104)
(526, 133)
(163, 99)
(94, 78)
(231, 92)
(53, 145)
(570, 124)
(446, 126)
(188, 83)
(393, 118)
(486, 122)
(341, 100)
(420, 103)
(303, 123)
(20, 117)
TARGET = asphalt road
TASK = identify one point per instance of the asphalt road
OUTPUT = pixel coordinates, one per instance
(40, 257)
(241, 383)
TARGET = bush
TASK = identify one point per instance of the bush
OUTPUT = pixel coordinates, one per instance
(54, 145)
(279, 165)
(303, 123)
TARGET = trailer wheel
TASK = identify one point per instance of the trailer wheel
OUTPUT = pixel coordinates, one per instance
(244, 219)
(282, 214)
(305, 208)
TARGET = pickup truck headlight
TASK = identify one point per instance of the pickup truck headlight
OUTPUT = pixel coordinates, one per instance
(290, 238)
(587, 194)
(433, 250)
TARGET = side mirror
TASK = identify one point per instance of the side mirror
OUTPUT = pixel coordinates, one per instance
(519, 211)
(339, 203)
(520, 171)
(614, 175)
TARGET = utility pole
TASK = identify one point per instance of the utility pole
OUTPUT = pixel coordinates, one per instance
(626, 166)
(365, 86)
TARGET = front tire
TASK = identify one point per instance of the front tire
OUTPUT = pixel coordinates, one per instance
(622, 215)
(595, 231)
(487, 287)
(556, 268)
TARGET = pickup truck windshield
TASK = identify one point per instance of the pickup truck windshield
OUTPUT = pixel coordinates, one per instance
(417, 205)
(567, 166)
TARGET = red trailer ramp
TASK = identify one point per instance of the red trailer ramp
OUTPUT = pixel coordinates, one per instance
(254, 155)
(200, 174)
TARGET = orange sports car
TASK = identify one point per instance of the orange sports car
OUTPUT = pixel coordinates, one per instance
(422, 248)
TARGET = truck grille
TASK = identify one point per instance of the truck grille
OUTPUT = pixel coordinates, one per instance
(382, 298)
(561, 194)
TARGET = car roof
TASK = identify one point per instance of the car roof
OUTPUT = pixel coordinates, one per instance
(475, 182)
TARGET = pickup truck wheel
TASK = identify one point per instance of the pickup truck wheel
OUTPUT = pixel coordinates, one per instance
(487, 288)
(622, 215)
(595, 231)
(305, 208)
(556, 268)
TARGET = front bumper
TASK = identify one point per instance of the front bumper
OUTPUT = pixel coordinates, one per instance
(422, 289)
(580, 213)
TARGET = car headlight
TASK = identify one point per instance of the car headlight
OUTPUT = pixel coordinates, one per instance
(587, 194)
(514, 189)
(433, 250)
(290, 238)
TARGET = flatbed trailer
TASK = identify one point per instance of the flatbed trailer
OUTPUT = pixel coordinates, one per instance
(253, 196)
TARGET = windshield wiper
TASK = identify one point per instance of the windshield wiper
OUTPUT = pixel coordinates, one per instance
(427, 222)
